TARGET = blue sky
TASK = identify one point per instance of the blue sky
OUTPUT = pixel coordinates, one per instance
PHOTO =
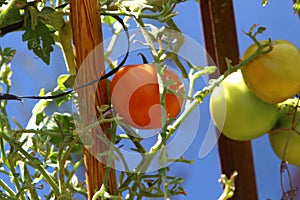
(201, 178)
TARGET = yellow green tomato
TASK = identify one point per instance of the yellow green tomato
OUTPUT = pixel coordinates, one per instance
(274, 76)
(284, 140)
(238, 113)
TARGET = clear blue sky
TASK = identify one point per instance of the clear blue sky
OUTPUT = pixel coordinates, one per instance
(201, 178)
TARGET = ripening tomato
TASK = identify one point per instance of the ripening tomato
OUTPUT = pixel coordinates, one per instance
(135, 95)
(283, 135)
(275, 76)
(238, 113)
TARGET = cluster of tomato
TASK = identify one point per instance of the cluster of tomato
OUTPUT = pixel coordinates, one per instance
(249, 103)
(261, 98)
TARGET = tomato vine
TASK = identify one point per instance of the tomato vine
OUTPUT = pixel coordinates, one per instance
(53, 147)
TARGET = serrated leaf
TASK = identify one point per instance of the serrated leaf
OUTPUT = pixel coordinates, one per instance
(52, 18)
(6, 55)
(39, 36)
(39, 40)
(65, 121)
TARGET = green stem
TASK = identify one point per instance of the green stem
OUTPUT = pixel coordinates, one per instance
(109, 160)
(148, 39)
(74, 170)
(7, 188)
(199, 95)
(34, 162)
(229, 186)
(15, 175)
(61, 168)
(113, 40)
(163, 174)
(32, 190)
(42, 132)
(64, 37)
(3, 155)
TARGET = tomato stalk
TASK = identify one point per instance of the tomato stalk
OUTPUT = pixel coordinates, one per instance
(64, 37)
(229, 186)
(34, 162)
(113, 41)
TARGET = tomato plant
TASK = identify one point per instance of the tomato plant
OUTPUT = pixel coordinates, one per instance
(285, 138)
(274, 76)
(135, 95)
(48, 150)
(237, 112)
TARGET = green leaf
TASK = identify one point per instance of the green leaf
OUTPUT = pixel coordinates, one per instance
(32, 11)
(109, 20)
(50, 17)
(65, 81)
(66, 123)
(39, 36)
(61, 81)
(261, 30)
(6, 56)
(60, 100)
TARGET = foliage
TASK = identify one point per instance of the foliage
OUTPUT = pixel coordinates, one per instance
(43, 158)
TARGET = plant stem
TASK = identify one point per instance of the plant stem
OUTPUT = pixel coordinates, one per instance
(34, 162)
(7, 188)
(64, 37)
(75, 167)
(229, 186)
(113, 40)
(15, 176)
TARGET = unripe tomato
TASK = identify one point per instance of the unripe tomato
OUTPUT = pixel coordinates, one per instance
(283, 133)
(275, 76)
(135, 95)
(238, 113)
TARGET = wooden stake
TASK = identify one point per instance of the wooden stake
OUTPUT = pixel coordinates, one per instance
(87, 39)
(221, 42)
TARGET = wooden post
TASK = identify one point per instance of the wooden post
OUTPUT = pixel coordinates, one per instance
(221, 42)
(87, 35)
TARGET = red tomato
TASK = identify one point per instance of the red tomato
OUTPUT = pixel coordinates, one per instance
(135, 95)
